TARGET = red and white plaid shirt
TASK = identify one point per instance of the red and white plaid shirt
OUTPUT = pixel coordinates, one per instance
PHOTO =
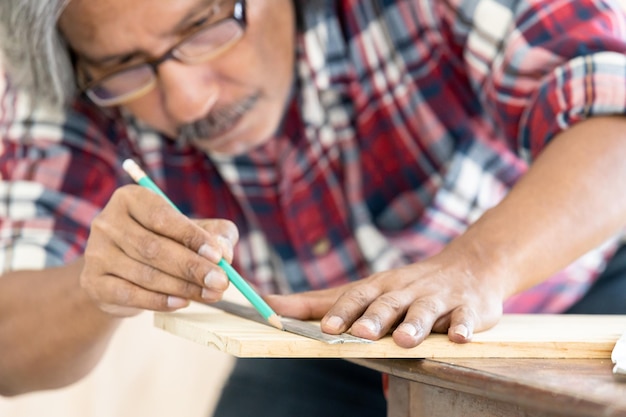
(409, 119)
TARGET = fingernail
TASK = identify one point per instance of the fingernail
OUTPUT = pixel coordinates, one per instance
(209, 253)
(461, 330)
(334, 322)
(215, 280)
(209, 295)
(176, 302)
(407, 328)
(368, 324)
(227, 247)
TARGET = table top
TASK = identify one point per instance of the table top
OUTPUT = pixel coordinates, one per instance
(575, 387)
(516, 336)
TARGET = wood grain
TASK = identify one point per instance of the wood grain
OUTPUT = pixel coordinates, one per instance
(516, 336)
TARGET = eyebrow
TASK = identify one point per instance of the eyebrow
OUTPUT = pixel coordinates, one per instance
(127, 56)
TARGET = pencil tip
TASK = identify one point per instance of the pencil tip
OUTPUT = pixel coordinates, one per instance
(274, 320)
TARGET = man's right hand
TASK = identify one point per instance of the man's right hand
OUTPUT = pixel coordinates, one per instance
(142, 254)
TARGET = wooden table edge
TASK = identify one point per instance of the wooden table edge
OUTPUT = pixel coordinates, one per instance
(444, 373)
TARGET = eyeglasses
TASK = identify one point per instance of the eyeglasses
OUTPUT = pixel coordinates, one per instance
(197, 47)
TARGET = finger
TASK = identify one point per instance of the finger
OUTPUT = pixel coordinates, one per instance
(464, 321)
(349, 306)
(381, 315)
(153, 213)
(311, 305)
(442, 324)
(158, 252)
(155, 280)
(120, 297)
(418, 322)
(226, 234)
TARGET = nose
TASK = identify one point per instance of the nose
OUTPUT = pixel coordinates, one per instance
(188, 92)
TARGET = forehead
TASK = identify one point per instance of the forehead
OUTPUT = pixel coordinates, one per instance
(109, 24)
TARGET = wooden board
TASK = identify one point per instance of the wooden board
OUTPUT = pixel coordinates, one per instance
(516, 336)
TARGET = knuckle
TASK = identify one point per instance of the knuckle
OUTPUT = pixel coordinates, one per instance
(101, 231)
(191, 270)
(121, 295)
(221, 229)
(390, 302)
(159, 217)
(155, 301)
(465, 311)
(99, 223)
(147, 276)
(359, 295)
(430, 305)
(188, 290)
(122, 194)
(150, 248)
(192, 240)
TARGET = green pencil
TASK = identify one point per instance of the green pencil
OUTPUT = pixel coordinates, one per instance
(141, 178)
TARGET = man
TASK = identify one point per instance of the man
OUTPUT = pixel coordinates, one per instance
(424, 166)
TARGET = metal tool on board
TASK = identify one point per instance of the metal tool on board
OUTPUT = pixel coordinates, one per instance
(298, 327)
(618, 356)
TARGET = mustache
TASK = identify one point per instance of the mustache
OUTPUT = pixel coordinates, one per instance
(217, 121)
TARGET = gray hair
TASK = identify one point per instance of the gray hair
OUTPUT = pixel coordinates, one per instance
(35, 55)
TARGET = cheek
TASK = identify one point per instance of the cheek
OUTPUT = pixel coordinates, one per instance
(149, 109)
(271, 36)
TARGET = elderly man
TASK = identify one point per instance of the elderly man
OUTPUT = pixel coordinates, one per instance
(384, 166)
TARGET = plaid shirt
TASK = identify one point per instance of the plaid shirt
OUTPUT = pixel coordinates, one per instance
(409, 120)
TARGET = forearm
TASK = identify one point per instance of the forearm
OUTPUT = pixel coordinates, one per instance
(51, 333)
(571, 200)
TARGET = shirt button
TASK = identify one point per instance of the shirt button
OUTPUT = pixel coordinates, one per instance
(321, 247)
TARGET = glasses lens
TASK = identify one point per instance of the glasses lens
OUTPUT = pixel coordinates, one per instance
(122, 85)
(209, 42)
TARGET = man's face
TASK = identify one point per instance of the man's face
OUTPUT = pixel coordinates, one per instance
(226, 105)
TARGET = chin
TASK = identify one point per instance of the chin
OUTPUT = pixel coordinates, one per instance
(244, 137)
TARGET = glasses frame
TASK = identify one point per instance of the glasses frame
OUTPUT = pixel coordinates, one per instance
(238, 16)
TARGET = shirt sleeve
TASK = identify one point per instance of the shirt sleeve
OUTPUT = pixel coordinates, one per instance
(541, 66)
(57, 171)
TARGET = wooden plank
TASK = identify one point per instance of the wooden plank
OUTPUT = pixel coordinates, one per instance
(516, 336)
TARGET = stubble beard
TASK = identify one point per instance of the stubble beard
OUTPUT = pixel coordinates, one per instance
(217, 121)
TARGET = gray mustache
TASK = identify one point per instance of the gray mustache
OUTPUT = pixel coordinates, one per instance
(216, 122)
